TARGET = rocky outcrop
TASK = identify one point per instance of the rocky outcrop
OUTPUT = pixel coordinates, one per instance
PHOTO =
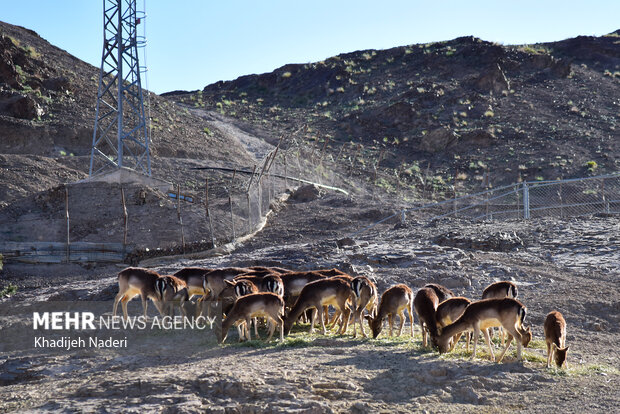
(494, 80)
(438, 140)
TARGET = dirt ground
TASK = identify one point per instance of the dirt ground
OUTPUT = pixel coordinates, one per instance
(568, 265)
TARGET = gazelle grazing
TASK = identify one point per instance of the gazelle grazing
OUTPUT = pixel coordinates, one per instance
(332, 291)
(499, 290)
(555, 336)
(272, 283)
(394, 301)
(449, 311)
(365, 293)
(213, 282)
(425, 303)
(254, 305)
(442, 292)
(172, 289)
(486, 313)
(134, 281)
(294, 282)
(193, 278)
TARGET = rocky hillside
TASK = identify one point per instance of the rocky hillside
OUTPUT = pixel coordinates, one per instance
(47, 110)
(460, 107)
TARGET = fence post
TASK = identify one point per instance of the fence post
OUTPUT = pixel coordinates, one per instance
(247, 196)
(561, 199)
(232, 217)
(207, 213)
(67, 218)
(526, 201)
(124, 217)
(605, 204)
(180, 217)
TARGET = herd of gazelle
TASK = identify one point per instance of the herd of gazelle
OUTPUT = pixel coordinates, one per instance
(283, 296)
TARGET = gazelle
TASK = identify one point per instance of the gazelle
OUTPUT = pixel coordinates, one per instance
(442, 292)
(332, 291)
(425, 303)
(555, 336)
(272, 283)
(486, 313)
(499, 290)
(172, 289)
(449, 311)
(243, 287)
(394, 301)
(193, 278)
(267, 305)
(294, 282)
(365, 293)
(213, 282)
(134, 281)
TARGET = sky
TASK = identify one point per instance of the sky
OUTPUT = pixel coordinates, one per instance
(193, 43)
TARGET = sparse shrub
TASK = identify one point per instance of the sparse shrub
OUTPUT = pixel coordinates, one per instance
(591, 166)
(489, 114)
(286, 75)
(9, 290)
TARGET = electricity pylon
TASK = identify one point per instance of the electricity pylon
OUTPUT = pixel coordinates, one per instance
(120, 138)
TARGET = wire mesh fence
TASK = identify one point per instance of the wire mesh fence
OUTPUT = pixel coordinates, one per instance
(526, 200)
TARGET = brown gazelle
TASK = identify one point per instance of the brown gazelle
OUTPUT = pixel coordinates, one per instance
(555, 336)
(442, 292)
(449, 311)
(499, 290)
(425, 304)
(193, 278)
(172, 289)
(254, 305)
(272, 283)
(394, 301)
(365, 294)
(332, 291)
(294, 282)
(480, 315)
(134, 281)
(213, 282)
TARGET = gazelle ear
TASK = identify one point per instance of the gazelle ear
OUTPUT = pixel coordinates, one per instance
(564, 349)
(554, 346)
(368, 318)
(228, 282)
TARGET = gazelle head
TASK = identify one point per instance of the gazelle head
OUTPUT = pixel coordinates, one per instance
(376, 324)
(526, 336)
(559, 355)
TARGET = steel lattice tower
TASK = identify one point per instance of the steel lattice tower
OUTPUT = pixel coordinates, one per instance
(120, 136)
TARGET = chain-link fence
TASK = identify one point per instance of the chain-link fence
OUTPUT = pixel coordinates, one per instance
(525, 200)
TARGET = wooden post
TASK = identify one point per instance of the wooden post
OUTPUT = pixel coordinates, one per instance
(232, 217)
(285, 172)
(456, 173)
(180, 217)
(247, 195)
(67, 218)
(323, 150)
(124, 216)
(208, 214)
(603, 199)
(561, 200)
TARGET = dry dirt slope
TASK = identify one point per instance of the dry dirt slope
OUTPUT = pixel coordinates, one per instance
(340, 374)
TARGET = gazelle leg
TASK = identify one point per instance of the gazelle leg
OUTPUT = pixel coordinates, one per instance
(476, 336)
(401, 315)
(410, 318)
(391, 323)
(322, 319)
(487, 338)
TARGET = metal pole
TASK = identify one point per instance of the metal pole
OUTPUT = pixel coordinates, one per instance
(119, 80)
(180, 217)
(232, 217)
(526, 201)
(124, 216)
(207, 211)
(67, 218)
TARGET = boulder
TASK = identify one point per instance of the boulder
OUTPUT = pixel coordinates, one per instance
(493, 80)
(25, 107)
(305, 193)
(438, 140)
